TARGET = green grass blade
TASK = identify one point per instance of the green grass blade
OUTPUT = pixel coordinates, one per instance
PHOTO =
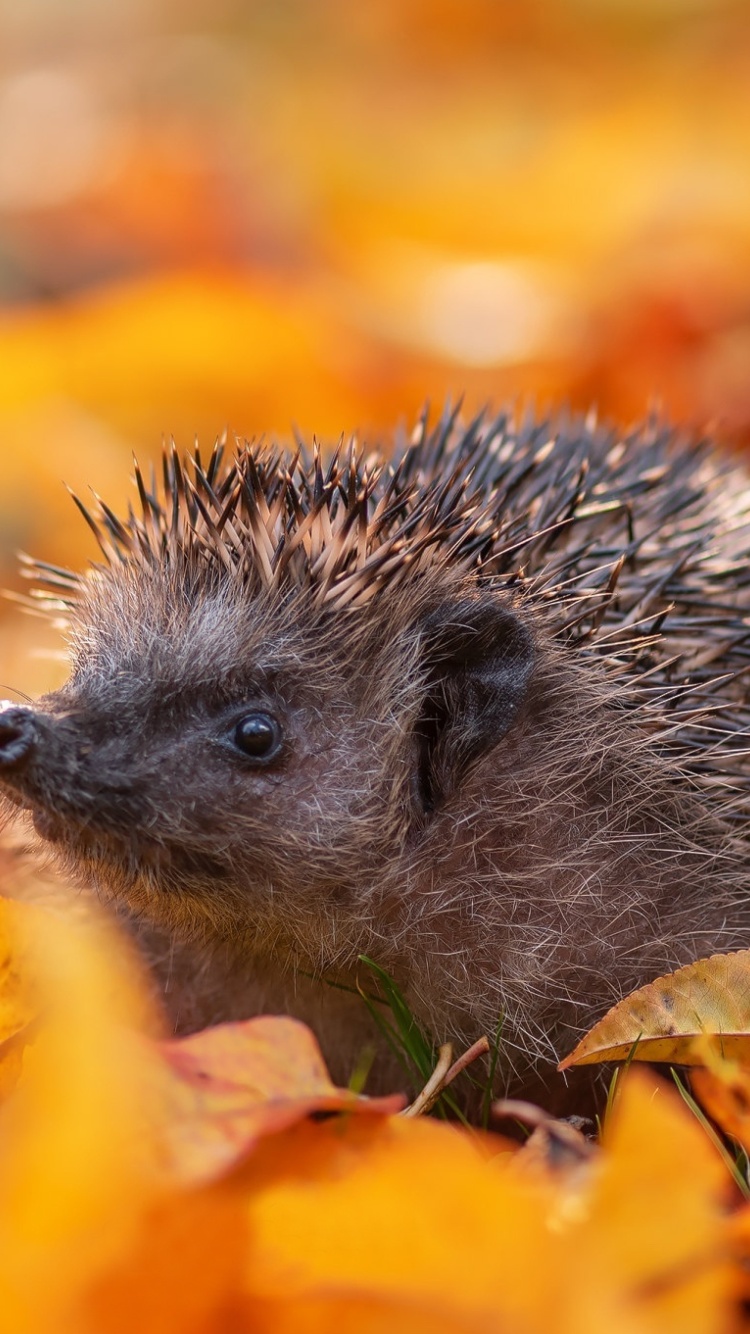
(419, 1050)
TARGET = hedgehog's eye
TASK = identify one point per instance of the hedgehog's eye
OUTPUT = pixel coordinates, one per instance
(258, 736)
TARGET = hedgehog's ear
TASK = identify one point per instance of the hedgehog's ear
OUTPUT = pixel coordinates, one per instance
(479, 658)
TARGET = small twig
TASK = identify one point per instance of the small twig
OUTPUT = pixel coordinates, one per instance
(443, 1075)
(480, 1048)
(433, 1088)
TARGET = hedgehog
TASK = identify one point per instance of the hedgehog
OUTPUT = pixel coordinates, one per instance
(473, 707)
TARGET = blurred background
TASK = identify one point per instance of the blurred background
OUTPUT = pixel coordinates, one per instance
(321, 213)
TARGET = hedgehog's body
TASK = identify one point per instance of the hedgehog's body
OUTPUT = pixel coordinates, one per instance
(477, 712)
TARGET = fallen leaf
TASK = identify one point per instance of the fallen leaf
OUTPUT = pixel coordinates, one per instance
(220, 1090)
(405, 1219)
(128, 1198)
(654, 1250)
(181, 1271)
(19, 1004)
(72, 1181)
(663, 1020)
(722, 1087)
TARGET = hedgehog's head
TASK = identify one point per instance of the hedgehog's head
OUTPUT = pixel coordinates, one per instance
(276, 681)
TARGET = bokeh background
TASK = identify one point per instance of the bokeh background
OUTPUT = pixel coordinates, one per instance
(321, 213)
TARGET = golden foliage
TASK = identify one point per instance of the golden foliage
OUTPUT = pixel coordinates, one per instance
(395, 201)
(181, 1187)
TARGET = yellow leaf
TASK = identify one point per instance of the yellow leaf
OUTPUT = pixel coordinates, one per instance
(180, 1273)
(663, 1020)
(72, 1182)
(654, 1255)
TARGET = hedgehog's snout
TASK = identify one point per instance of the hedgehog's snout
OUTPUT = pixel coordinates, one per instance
(18, 735)
(45, 759)
(51, 767)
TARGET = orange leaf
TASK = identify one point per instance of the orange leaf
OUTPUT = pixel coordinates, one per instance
(398, 1220)
(180, 1274)
(229, 1085)
(723, 1090)
(362, 1223)
(18, 1006)
(662, 1021)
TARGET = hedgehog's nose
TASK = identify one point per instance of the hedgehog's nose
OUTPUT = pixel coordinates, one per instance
(18, 732)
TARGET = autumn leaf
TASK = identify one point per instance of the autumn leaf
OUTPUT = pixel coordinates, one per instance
(663, 1020)
(411, 1219)
(722, 1087)
(220, 1090)
(653, 1219)
(72, 1182)
(129, 1198)
(18, 1004)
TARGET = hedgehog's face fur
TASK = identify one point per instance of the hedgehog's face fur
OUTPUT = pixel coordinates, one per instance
(228, 758)
(208, 758)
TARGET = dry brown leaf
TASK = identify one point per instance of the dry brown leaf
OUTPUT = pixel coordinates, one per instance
(664, 1020)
